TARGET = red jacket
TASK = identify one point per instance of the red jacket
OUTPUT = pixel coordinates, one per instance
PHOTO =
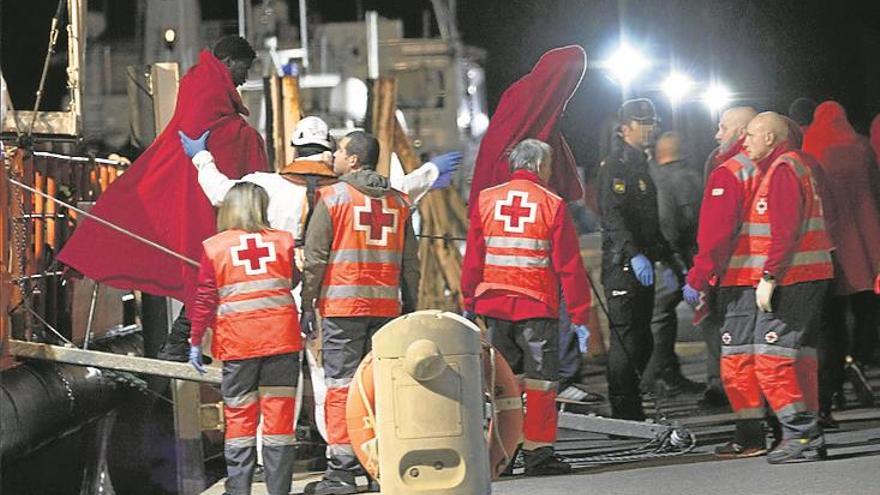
(565, 260)
(721, 215)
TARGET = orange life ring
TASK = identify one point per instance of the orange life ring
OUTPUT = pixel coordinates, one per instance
(505, 429)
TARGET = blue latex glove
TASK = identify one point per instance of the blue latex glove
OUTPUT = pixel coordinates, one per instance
(670, 279)
(193, 146)
(469, 315)
(642, 269)
(195, 359)
(583, 334)
(446, 164)
(308, 324)
(690, 295)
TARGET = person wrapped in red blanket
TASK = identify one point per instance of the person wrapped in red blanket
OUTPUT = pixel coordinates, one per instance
(159, 197)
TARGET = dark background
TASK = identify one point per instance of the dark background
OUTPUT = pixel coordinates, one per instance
(767, 52)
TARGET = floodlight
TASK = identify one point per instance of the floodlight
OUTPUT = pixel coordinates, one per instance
(716, 97)
(676, 86)
(625, 64)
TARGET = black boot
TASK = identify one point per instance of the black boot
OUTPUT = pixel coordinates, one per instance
(544, 462)
(627, 407)
(748, 441)
(671, 383)
(176, 347)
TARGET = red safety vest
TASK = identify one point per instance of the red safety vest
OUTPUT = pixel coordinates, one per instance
(363, 271)
(811, 259)
(516, 218)
(747, 177)
(257, 315)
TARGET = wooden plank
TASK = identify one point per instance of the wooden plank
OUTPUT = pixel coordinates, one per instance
(277, 109)
(134, 364)
(384, 120)
(164, 81)
(6, 285)
(292, 112)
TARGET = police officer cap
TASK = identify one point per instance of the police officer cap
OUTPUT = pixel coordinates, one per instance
(640, 109)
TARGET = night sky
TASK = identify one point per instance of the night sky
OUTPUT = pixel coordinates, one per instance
(768, 52)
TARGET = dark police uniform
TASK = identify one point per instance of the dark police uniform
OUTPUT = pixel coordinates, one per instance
(630, 226)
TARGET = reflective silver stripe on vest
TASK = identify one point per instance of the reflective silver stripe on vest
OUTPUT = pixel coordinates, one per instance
(340, 195)
(520, 261)
(365, 256)
(811, 257)
(277, 391)
(241, 442)
(763, 229)
(517, 242)
(255, 286)
(365, 291)
(269, 302)
(747, 261)
(242, 400)
(278, 440)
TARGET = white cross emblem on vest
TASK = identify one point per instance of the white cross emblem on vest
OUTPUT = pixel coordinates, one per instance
(376, 220)
(253, 254)
(516, 211)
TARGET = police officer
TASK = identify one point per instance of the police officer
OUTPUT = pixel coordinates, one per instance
(631, 243)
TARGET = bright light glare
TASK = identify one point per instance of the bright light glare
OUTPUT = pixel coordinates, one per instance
(676, 86)
(626, 64)
(716, 97)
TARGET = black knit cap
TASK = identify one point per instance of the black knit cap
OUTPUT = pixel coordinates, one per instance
(235, 47)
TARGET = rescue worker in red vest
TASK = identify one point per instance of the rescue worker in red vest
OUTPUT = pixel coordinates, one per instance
(361, 270)
(521, 247)
(788, 244)
(244, 294)
(720, 280)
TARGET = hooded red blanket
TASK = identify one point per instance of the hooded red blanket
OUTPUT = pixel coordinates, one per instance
(531, 108)
(159, 197)
(852, 182)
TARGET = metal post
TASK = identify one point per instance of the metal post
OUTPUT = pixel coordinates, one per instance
(241, 19)
(90, 320)
(304, 33)
(372, 20)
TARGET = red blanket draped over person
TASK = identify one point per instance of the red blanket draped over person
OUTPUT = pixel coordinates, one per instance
(851, 179)
(531, 108)
(159, 197)
(875, 137)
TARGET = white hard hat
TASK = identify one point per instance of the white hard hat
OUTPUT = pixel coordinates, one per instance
(311, 130)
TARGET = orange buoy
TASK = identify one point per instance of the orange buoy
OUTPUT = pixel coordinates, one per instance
(505, 427)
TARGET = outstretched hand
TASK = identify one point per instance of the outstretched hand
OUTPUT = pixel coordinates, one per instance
(193, 146)
(446, 164)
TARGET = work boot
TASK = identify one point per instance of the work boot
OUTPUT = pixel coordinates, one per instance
(516, 465)
(856, 375)
(627, 407)
(827, 421)
(714, 397)
(800, 449)
(748, 441)
(544, 462)
(671, 383)
(331, 487)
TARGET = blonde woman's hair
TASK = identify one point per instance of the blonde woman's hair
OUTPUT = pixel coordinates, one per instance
(244, 208)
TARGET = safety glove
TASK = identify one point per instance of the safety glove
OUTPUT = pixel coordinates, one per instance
(446, 164)
(583, 335)
(764, 293)
(643, 269)
(192, 146)
(690, 295)
(195, 359)
(308, 324)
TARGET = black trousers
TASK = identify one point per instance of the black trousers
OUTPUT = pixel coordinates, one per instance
(630, 308)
